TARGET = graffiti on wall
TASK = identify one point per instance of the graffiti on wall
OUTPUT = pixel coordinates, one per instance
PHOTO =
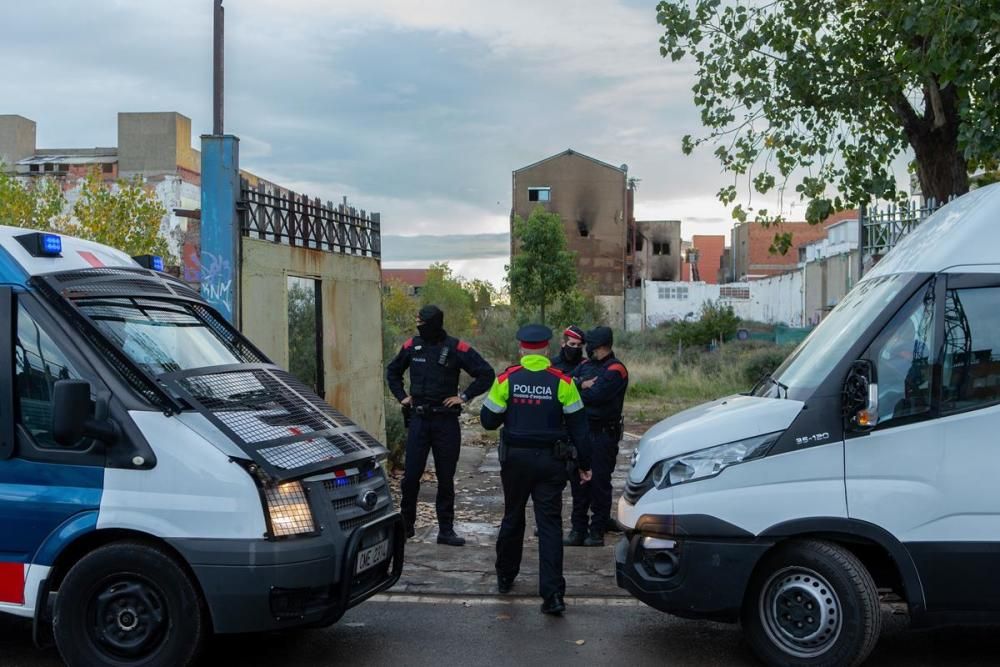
(217, 282)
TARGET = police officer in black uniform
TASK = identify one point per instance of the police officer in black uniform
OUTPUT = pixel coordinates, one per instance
(435, 360)
(571, 353)
(602, 379)
(537, 405)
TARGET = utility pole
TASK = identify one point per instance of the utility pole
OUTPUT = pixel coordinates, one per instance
(218, 69)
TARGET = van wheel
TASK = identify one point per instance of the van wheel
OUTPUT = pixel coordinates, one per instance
(128, 604)
(812, 604)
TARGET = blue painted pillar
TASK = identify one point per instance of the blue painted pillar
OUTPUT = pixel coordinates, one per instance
(220, 229)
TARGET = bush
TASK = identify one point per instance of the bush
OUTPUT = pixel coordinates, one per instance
(763, 362)
(718, 322)
(395, 432)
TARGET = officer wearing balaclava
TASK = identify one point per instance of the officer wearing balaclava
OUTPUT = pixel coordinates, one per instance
(435, 361)
(603, 381)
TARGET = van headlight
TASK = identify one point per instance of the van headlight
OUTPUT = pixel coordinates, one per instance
(710, 462)
(288, 509)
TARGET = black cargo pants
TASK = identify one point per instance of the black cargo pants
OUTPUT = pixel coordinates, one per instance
(536, 474)
(440, 433)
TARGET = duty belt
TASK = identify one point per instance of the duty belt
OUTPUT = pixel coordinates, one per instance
(436, 410)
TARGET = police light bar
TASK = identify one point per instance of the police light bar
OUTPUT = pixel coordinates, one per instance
(40, 244)
(154, 262)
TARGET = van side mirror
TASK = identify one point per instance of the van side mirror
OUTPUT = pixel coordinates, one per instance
(72, 415)
(860, 396)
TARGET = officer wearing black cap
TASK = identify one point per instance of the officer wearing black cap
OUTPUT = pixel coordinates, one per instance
(435, 360)
(537, 405)
(602, 379)
(571, 352)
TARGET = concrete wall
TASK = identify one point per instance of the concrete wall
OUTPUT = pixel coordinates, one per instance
(352, 321)
(590, 197)
(827, 281)
(155, 143)
(17, 138)
(776, 300)
(614, 309)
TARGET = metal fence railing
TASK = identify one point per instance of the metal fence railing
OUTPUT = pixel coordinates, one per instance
(882, 228)
(273, 214)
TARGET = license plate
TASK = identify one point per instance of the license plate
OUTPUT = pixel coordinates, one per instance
(372, 556)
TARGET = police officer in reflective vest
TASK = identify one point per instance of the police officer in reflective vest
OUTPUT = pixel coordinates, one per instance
(537, 405)
(571, 353)
(435, 360)
(602, 379)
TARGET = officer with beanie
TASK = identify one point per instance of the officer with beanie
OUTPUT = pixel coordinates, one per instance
(537, 405)
(435, 360)
(571, 352)
(602, 380)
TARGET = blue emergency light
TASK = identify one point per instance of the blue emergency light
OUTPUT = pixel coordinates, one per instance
(154, 262)
(40, 244)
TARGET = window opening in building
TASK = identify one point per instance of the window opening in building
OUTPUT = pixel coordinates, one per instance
(33, 168)
(728, 292)
(667, 292)
(661, 248)
(49, 166)
(305, 332)
(539, 194)
(107, 167)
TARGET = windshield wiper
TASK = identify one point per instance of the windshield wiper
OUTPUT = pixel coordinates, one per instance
(779, 385)
(769, 379)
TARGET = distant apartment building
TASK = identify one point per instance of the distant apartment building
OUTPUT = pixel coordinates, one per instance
(751, 246)
(703, 258)
(593, 200)
(155, 146)
(412, 280)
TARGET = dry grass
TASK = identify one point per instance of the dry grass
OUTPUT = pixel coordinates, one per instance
(663, 383)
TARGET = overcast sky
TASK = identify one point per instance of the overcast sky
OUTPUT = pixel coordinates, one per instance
(417, 109)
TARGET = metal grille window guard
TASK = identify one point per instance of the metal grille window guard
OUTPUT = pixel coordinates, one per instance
(883, 228)
(273, 214)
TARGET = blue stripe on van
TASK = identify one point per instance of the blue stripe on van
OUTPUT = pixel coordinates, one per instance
(11, 272)
(37, 499)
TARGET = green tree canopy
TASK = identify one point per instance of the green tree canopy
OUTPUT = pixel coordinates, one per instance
(446, 291)
(541, 269)
(36, 204)
(831, 91)
(126, 217)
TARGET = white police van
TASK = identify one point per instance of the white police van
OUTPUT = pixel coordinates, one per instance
(868, 462)
(159, 477)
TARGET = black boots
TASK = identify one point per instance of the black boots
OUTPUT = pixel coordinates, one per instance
(448, 536)
(594, 539)
(573, 539)
(410, 531)
(504, 584)
(554, 604)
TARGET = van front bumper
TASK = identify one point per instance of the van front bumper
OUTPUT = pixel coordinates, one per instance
(699, 577)
(258, 585)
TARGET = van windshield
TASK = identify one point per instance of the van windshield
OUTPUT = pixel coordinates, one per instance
(162, 336)
(814, 359)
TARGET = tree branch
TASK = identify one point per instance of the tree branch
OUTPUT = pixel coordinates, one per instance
(936, 103)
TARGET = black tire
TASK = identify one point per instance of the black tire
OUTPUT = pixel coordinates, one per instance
(812, 604)
(128, 604)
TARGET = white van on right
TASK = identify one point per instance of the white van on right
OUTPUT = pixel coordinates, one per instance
(866, 465)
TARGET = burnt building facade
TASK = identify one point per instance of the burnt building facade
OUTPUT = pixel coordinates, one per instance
(593, 200)
(658, 251)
